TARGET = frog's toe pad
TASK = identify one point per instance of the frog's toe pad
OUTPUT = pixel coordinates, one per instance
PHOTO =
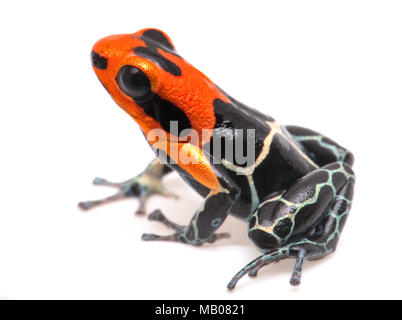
(154, 237)
(85, 205)
(140, 212)
(217, 236)
(294, 282)
(253, 273)
(149, 237)
(231, 285)
(99, 181)
(156, 215)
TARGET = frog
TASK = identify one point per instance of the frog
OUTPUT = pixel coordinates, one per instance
(294, 195)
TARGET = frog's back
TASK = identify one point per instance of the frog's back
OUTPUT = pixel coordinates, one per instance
(275, 162)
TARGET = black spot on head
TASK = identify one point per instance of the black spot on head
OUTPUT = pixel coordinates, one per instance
(164, 112)
(98, 61)
(153, 55)
(156, 40)
(157, 36)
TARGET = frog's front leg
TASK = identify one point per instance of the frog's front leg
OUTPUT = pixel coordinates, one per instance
(207, 219)
(141, 186)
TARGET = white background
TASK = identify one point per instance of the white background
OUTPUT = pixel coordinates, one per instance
(333, 66)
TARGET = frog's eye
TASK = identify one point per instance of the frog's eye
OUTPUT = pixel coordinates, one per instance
(134, 83)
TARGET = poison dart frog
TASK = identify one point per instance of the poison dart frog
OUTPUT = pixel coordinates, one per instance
(295, 194)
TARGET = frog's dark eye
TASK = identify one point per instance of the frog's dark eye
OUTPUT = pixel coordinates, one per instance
(134, 83)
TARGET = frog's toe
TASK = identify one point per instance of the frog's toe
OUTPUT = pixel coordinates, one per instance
(253, 273)
(141, 187)
(151, 237)
(103, 182)
(86, 205)
(297, 271)
(216, 236)
(157, 215)
(177, 237)
(142, 197)
(252, 268)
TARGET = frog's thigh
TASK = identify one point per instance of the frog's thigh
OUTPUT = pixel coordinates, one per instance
(319, 147)
(314, 208)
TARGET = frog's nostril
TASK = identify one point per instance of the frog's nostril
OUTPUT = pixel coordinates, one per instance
(98, 61)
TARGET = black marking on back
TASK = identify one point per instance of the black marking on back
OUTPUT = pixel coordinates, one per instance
(151, 53)
(230, 117)
(98, 61)
(280, 169)
(165, 111)
(237, 115)
(257, 114)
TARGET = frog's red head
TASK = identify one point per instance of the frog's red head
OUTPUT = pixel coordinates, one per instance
(149, 80)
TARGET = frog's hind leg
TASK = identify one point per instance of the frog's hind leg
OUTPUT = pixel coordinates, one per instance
(304, 222)
(141, 186)
(318, 147)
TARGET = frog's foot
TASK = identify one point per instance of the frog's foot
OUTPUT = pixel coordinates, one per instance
(141, 187)
(180, 234)
(254, 266)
